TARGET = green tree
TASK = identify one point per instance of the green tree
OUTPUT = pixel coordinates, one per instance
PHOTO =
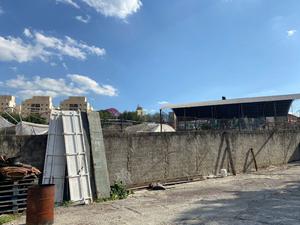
(35, 118)
(105, 115)
(32, 118)
(12, 118)
(128, 115)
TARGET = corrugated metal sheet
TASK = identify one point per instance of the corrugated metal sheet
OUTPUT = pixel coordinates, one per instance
(55, 160)
(77, 166)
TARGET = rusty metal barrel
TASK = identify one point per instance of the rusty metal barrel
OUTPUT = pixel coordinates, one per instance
(40, 205)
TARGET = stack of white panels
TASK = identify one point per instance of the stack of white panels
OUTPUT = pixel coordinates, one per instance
(66, 148)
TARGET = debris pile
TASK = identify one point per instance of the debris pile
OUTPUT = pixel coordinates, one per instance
(10, 168)
(156, 187)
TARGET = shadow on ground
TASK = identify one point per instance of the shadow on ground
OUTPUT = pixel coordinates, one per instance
(279, 206)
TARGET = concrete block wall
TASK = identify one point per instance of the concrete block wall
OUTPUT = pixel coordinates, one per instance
(139, 159)
(143, 158)
(31, 149)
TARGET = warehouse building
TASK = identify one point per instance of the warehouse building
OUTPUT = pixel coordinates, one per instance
(241, 113)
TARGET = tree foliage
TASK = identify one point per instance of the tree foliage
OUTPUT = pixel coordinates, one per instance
(105, 115)
(32, 118)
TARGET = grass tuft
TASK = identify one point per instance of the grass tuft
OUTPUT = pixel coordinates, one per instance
(5, 218)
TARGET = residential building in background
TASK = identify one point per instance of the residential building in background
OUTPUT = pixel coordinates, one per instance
(76, 103)
(7, 103)
(18, 109)
(140, 111)
(41, 105)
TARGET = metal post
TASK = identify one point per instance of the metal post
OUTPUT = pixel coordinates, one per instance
(175, 121)
(121, 124)
(184, 119)
(275, 113)
(160, 119)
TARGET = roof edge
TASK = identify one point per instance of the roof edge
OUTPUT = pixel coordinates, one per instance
(233, 101)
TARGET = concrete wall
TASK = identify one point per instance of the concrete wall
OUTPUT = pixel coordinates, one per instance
(140, 159)
(31, 149)
(143, 158)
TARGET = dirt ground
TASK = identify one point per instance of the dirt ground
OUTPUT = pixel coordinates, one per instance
(270, 196)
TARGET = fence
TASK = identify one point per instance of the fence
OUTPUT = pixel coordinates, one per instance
(117, 125)
(251, 124)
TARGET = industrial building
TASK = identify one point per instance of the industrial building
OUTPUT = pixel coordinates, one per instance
(241, 113)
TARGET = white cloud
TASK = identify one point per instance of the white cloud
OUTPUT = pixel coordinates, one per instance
(69, 2)
(115, 8)
(41, 46)
(83, 19)
(14, 49)
(87, 83)
(150, 111)
(13, 68)
(162, 102)
(65, 66)
(73, 85)
(291, 33)
(27, 33)
(1, 10)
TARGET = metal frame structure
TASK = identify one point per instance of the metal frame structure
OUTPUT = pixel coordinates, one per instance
(229, 111)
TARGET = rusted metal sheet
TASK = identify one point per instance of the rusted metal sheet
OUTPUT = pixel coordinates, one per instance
(17, 172)
(40, 205)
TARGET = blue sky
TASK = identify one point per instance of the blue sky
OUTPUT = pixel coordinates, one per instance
(121, 53)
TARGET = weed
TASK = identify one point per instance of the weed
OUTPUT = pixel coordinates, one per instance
(117, 191)
(7, 218)
(67, 203)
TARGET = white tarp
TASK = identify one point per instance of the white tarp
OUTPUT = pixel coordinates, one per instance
(149, 128)
(26, 128)
(4, 123)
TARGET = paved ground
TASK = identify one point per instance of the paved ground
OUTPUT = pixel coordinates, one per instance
(270, 196)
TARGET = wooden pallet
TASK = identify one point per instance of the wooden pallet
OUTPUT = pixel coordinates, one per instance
(13, 194)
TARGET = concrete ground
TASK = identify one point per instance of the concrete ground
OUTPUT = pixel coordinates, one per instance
(270, 196)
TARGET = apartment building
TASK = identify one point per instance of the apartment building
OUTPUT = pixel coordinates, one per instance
(76, 103)
(41, 105)
(7, 103)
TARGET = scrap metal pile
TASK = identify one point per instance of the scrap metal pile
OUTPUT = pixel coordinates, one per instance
(11, 169)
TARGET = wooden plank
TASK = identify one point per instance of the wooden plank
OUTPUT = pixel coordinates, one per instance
(254, 159)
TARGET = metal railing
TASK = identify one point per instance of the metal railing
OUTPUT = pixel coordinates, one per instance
(117, 125)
